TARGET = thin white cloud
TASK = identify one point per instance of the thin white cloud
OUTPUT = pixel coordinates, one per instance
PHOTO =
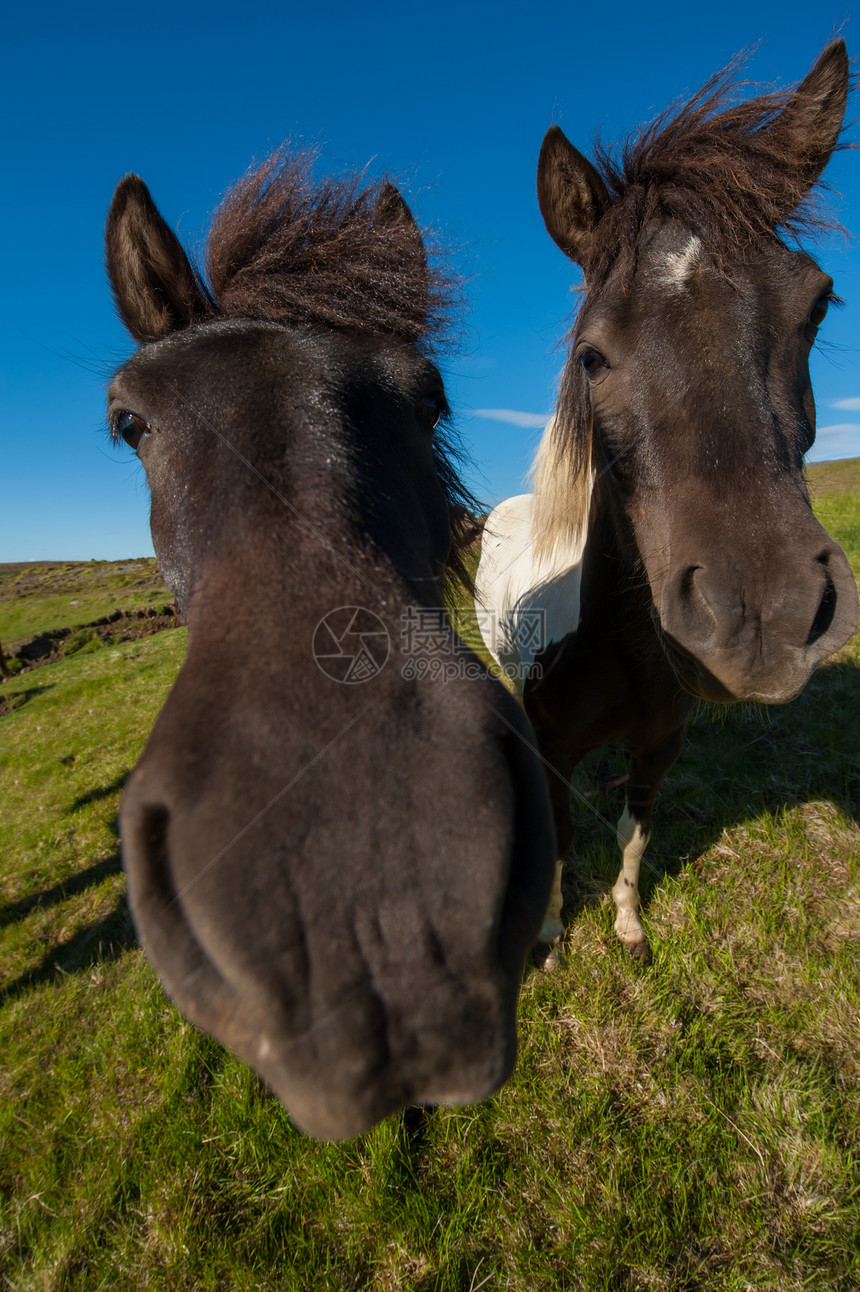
(848, 405)
(514, 416)
(841, 441)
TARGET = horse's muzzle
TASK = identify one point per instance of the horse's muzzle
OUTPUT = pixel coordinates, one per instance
(756, 633)
(361, 950)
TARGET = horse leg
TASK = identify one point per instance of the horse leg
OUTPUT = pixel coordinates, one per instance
(633, 835)
(648, 770)
(559, 764)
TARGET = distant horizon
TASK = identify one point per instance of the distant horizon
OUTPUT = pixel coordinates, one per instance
(150, 556)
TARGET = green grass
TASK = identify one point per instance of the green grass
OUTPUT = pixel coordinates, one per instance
(36, 598)
(694, 1125)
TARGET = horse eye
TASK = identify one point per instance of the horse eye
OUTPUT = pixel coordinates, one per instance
(592, 361)
(430, 410)
(818, 313)
(131, 427)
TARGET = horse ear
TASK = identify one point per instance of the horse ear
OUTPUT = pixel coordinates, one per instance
(392, 212)
(571, 195)
(154, 285)
(391, 208)
(807, 129)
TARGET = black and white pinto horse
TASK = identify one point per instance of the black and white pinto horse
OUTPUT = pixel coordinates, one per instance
(337, 862)
(669, 552)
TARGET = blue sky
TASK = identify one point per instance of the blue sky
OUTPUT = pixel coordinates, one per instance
(452, 99)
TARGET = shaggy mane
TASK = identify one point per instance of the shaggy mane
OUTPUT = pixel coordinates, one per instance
(345, 254)
(561, 482)
(717, 165)
(339, 253)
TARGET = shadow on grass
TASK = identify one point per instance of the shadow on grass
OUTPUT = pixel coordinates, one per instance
(106, 939)
(414, 1122)
(11, 701)
(59, 892)
(740, 763)
(103, 792)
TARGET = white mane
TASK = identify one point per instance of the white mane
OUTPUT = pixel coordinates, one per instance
(562, 494)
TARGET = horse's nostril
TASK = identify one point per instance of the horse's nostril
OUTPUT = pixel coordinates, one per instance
(153, 831)
(690, 605)
(826, 609)
(687, 587)
(149, 843)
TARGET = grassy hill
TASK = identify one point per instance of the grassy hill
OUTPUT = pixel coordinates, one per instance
(691, 1126)
(44, 596)
(842, 476)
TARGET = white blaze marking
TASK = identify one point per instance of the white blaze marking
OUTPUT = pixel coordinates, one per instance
(679, 265)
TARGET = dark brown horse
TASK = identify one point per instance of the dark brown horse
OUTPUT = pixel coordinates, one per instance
(336, 861)
(669, 551)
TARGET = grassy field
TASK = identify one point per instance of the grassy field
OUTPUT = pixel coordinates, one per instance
(693, 1125)
(39, 597)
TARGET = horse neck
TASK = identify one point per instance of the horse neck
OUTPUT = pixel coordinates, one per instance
(614, 584)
